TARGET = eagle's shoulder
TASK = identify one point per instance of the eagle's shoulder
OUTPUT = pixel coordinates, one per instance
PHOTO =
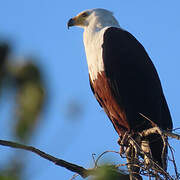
(121, 39)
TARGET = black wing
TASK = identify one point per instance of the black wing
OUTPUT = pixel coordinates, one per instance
(133, 79)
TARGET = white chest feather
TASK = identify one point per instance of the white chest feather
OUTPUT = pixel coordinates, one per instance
(93, 47)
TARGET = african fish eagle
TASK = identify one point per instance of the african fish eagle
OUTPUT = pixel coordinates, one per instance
(123, 78)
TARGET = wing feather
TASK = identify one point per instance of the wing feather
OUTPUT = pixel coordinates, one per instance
(134, 79)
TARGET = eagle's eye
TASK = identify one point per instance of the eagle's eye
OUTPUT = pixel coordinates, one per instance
(84, 14)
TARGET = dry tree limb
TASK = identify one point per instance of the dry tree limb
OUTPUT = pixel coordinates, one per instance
(172, 135)
(156, 129)
(59, 162)
(163, 132)
(162, 170)
(87, 172)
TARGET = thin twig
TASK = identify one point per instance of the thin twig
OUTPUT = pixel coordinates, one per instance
(74, 176)
(96, 162)
(93, 157)
(174, 162)
(175, 129)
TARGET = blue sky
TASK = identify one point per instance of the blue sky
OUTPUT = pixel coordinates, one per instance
(39, 27)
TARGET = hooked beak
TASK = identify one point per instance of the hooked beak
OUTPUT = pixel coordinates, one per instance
(71, 22)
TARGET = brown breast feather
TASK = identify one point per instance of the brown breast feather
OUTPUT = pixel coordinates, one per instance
(115, 112)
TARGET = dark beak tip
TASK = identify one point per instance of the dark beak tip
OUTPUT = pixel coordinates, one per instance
(70, 23)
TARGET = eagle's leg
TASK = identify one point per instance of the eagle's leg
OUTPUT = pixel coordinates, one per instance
(132, 161)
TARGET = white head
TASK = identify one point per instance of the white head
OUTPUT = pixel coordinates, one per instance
(95, 19)
(94, 22)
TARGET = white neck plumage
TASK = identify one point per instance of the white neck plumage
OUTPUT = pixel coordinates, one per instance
(93, 40)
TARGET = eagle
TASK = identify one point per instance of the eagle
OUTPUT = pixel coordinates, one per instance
(124, 79)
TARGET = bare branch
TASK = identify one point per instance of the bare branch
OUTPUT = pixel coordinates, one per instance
(174, 162)
(154, 171)
(59, 162)
(170, 134)
(162, 170)
(155, 130)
